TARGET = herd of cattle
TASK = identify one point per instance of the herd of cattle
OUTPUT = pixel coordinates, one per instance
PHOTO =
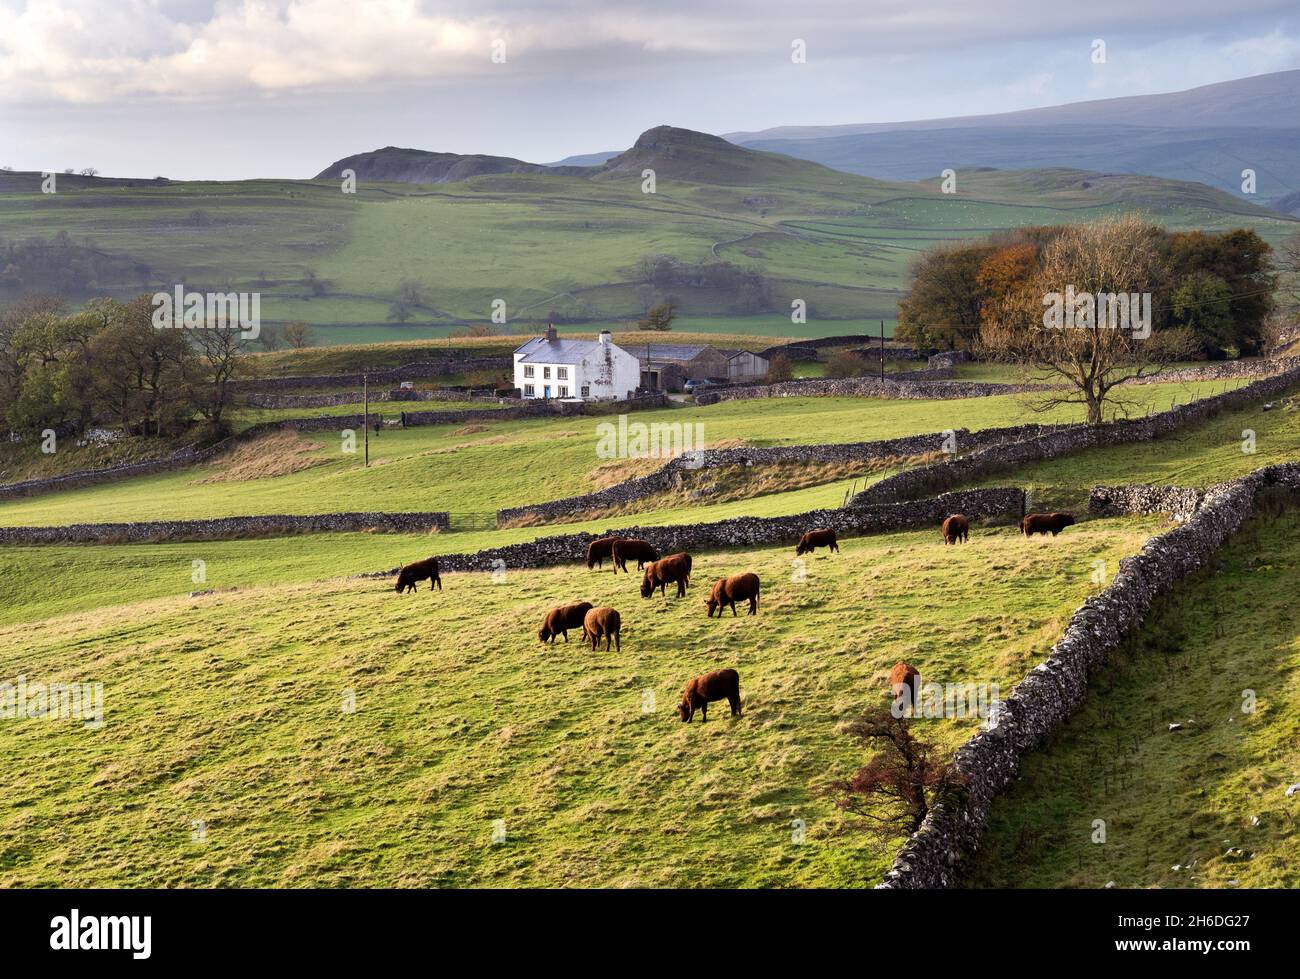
(604, 622)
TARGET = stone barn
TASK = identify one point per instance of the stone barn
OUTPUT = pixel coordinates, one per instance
(668, 366)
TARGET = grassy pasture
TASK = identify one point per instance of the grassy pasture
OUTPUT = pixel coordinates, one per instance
(1199, 456)
(496, 464)
(229, 709)
(842, 243)
(1201, 806)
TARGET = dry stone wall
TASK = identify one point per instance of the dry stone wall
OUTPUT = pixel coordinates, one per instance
(454, 416)
(256, 399)
(990, 761)
(1049, 443)
(1223, 370)
(187, 456)
(1112, 501)
(671, 474)
(923, 385)
(417, 371)
(999, 503)
(193, 455)
(225, 528)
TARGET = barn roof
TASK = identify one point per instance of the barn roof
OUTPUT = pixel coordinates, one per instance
(668, 351)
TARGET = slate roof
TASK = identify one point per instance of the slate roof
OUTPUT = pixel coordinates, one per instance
(668, 351)
(539, 350)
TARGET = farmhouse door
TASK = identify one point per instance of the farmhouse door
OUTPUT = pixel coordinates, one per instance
(546, 391)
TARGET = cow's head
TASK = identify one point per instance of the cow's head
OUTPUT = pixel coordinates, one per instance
(684, 710)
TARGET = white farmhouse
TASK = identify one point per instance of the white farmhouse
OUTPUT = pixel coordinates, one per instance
(585, 370)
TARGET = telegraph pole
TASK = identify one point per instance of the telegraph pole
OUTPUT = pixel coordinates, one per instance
(365, 412)
(882, 350)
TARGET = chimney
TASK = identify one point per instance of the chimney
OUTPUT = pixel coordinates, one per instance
(605, 337)
(550, 332)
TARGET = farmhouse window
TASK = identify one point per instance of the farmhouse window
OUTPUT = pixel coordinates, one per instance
(562, 373)
(528, 390)
(528, 370)
(586, 390)
(564, 391)
(546, 372)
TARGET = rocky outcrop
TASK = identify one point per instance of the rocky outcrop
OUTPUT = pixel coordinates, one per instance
(1053, 690)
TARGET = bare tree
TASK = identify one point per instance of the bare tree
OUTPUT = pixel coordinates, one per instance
(1095, 284)
(297, 334)
(221, 358)
(895, 789)
(779, 368)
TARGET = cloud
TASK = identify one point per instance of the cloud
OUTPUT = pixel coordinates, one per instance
(99, 50)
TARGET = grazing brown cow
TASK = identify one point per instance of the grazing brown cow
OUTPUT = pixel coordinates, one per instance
(1046, 523)
(628, 548)
(411, 573)
(825, 537)
(956, 529)
(603, 623)
(718, 685)
(905, 685)
(729, 591)
(600, 549)
(561, 619)
(662, 573)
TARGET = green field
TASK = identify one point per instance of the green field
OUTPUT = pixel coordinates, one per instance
(229, 709)
(493, 465)
(1204, 805)
(564, 246)
(1199, 456)
(225, 711)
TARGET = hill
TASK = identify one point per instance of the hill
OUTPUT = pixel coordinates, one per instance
(686, 155)
(1267, 101)
(409, 166)
(551, 244)
(1290, 204)
(1208, 134)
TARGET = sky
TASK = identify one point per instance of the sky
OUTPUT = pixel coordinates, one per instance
(222, 89)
